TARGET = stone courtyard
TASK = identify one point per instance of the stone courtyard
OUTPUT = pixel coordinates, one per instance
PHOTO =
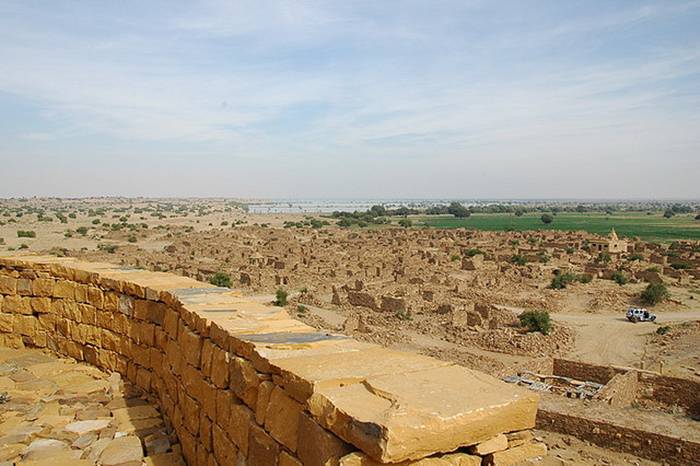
(61, 412)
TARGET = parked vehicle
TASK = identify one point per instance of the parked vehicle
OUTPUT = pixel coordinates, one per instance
(637, 314)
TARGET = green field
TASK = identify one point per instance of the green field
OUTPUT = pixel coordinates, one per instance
(647, 227)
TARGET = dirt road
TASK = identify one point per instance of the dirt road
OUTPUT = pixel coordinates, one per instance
(611, 338)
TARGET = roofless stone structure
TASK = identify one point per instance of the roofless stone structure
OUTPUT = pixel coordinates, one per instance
(239, 379)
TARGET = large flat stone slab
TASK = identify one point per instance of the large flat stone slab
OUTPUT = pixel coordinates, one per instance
(411, 415)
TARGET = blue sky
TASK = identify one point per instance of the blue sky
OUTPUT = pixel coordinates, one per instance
(364, 99)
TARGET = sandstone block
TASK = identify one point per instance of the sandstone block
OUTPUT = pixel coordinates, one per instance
(288, 460)
(8, 285)
(426, 412)
(64, 289)
(121, 451)
(497, 443)
(6, 323)
(515, 439)
(262, 449)
(17, 304)
(264, 391)
(219, 367)
(224, 449)
(41, 305)
(317, 446)
(282, 418)
(190, 345)
(516, 455)
(43, 287)
(238, 426)
(244, 381)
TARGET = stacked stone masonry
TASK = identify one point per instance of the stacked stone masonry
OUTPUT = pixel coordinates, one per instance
(243, 383)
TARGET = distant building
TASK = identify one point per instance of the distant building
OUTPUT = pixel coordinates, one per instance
(611, 245)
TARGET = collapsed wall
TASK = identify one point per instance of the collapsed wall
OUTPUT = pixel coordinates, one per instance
(242, 381)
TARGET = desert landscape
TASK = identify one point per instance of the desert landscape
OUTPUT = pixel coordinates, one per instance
(544, 309)
(349, 233)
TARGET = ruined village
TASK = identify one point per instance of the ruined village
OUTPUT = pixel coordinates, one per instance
(612, 390)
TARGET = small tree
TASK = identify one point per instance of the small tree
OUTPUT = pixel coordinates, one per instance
(473, 252)
(668, 213)
(221, 279)
(281, 297)
(519, 212)
(655, 293)
(619, 277)
(546, 219)
(458, 210)
(406, 223)
(536, 321)
(603, 258)
(518, 260)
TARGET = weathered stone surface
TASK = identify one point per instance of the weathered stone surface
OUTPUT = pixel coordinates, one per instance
(262, 449)
(412, 417)
(497, 443)
(302, 375)
(286, 459)
(317, 446)
(515, 439)
(516, 455)
(122, 450)
(83, 427)
(282, 418)
(454, 459)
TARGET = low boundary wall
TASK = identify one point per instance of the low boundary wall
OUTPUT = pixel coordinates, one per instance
(242, 382)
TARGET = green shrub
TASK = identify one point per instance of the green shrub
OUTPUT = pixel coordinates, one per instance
(221, 279)
(301, 309)
(619, 277)
(454, 257)
(23, 246)
(536, 321)
(635, 257)
(560, 280)
(655, 293)
(82, 230)
(603, 258)
(517, 259)
(546, 219)
(663, 330)
(406, 223)
(26, 234)
(132, 239)
(108, 248)
(96, 221)
(473, 252)
(680, 265)
(281, 297)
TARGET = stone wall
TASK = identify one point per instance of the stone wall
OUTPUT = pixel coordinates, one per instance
(650, 386)
(243, 383)
(584, 371)
(669, 449)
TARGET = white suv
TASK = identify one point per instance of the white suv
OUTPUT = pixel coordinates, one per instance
(636, 314)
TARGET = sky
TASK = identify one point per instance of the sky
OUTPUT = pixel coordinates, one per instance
(350, 99)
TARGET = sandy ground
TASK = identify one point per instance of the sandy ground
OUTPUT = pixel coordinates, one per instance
(612, 339)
